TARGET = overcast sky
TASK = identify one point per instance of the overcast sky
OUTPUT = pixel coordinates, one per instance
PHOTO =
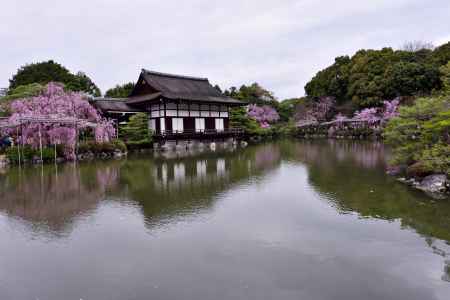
(280, 44)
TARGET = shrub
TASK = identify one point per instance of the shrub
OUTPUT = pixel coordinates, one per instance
(119, 144)
(437, 158)
(98, 148)
(27, 153)
(136, 129)
(421, 133)
(136, 145)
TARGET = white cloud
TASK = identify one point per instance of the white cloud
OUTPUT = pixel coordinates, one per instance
(280, 44)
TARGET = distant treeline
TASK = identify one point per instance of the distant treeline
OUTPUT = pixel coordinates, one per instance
(371, 76)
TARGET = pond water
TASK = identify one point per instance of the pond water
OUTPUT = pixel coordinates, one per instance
(284, 220)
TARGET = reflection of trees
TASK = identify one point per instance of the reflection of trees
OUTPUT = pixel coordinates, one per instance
(343, 173)
(49, 198)
(361, 154)
(446, 276)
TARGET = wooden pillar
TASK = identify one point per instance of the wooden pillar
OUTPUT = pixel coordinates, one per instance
(18, 145)
(56, 156)
(40, 142)
(76, 141)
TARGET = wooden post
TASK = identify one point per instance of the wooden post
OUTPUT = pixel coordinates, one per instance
(76, 142)
(55, 154)
(18, 145)
(40, 142)
(21, 140)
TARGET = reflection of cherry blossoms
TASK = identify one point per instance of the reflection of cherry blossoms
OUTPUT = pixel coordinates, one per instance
(266, 156)
(68, 113)
(107, 177)
(264, 115)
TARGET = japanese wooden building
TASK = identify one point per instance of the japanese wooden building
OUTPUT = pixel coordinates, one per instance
(178, 107)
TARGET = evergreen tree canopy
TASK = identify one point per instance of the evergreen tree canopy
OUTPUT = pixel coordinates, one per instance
(120, 91)
(136, 130)
(371, 76)
(253, 94)
(50, 71)
(445, 78)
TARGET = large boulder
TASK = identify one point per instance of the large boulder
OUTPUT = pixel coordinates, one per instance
(417, 170)
(435, 184)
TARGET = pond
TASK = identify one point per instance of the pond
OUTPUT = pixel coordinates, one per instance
(283, 220)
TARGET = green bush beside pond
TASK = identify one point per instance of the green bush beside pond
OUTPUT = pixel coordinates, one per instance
(421, 135)
(99, 148)
(28, 154)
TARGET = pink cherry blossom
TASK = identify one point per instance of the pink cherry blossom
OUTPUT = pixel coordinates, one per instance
(69, 113)
(264, 115)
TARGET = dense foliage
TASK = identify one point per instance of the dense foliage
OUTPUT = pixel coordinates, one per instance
(120, 91)
(421, 134)
(24, 91)
(63, 109)
(98, 149)
(240, 119)
(370, 76)
(286, 108)
(136, 132)
(50, 71)
(264, 109)
(28, 153)
(253, 94)
(445, 78)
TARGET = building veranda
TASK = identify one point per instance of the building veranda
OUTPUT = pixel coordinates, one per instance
(179, 108)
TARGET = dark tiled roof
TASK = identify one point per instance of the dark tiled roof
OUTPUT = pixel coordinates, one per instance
(143, 98)
(185, 88)
(114, 105)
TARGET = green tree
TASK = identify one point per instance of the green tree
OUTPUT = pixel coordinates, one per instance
(120, 91)
(445, 78)
(287, 108)
(410, 78)
(81, 82)
(240, 119)
(331, 81)
(24, 91)
(136, 130)
(421, 134)
(47, 71)
(371, 76)
(441, 55)
(253, 94)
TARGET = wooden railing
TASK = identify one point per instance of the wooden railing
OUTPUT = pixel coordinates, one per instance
(199, 134)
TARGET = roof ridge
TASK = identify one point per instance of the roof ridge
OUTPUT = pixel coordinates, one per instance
(174, 75)
(108, 99)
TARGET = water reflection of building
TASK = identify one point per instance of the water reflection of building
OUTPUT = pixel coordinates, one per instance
(50, 200)
(169, 174)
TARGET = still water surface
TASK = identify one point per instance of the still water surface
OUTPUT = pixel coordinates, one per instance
(287, 220)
